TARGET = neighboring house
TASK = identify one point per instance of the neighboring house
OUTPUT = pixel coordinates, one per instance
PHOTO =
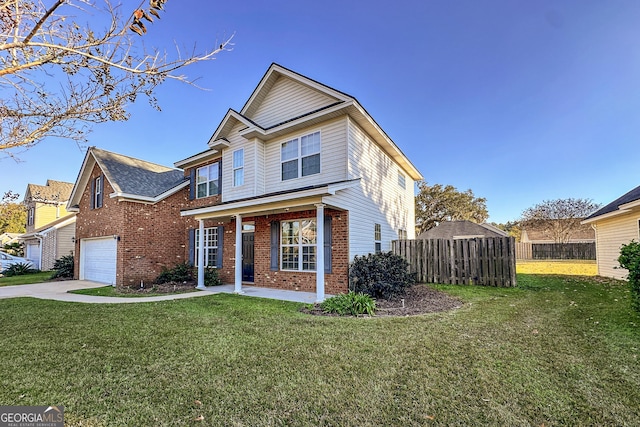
(8, 238)
(615, 224)
(579, 234)
(462, 230)
(50, 228)
(290, 189)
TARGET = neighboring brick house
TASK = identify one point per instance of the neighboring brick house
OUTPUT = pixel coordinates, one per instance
(290, 189)
(50, 228)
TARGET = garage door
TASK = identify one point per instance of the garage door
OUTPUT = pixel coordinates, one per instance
(98, 260)
(33, 254)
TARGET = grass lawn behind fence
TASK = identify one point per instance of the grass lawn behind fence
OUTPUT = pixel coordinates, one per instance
(555, 351)
(568, 267)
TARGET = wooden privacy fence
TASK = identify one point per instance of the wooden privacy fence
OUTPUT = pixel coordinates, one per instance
(582, 251)
(489, 261)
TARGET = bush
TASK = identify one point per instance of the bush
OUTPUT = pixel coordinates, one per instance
(349, 304)
(182, 272)
(211, 277)
(19, 269)
(63, 267)
(382, 275)
(630, 259)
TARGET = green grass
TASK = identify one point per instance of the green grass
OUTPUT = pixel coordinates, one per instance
(555, 351)
(111, 291)
(26, 279)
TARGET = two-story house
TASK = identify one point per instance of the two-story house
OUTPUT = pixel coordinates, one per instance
(50, 229)
(289, 190)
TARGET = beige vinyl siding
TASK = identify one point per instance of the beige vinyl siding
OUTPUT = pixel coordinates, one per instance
(611, 234)
(259, 167)
(65, 242)
(378, 199)
(288, 99)
(248, 189)
(333, 151)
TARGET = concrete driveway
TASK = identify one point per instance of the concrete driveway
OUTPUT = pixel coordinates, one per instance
(59, 291)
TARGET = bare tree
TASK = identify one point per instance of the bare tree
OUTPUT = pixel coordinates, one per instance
(558, 219)
(58, 75)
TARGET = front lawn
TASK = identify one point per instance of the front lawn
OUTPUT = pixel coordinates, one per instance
(26, 279)
(555, 351)
(112, 291)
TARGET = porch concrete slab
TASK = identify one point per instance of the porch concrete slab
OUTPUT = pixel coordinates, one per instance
(256, 291)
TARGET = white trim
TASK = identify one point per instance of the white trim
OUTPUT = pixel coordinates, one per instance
(156, 199)
(197, 158)
(237, 287)
(320, 252)
(299, 156)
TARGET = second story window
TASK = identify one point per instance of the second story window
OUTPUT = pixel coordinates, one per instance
(208, 180)
(402, 181)
(300, 156)
(31, 215)
(238, 167)
(97, 188)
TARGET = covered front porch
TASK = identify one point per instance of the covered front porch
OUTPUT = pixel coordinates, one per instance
(282, 241)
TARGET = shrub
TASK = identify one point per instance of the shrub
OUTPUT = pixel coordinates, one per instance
(211, 277)
(630, 259)
(182, 272)
(349, 304)
(382, 275)
(63, 267)
(19, 269)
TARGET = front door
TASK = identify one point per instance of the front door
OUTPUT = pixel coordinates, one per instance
(247, 257)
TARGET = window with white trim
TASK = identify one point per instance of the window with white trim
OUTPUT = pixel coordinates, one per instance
(300, 156)
(238, 167)
(31, 215)
(402, 234)
(377, 237)
(402, 181)
(97, 192)
(210, 247)
(208, 180)
(298, 245)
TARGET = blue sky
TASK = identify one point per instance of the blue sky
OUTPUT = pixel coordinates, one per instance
(520, 101)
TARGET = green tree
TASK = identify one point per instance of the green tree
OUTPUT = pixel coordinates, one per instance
(437, 203)
(13, 215)
(59, 75)
(630, 259)
(511, 227)
(558, 218)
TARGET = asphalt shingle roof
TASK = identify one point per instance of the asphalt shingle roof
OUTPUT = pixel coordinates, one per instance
(137, 177)
(54, 191)
(629, 197)
(450, 229)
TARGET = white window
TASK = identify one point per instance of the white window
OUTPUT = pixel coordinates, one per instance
(402, 234)
(402, 181)
(210, 247)
(97, 192)
(377, 237)
(31, 216)
(298, 245)
(208, 180)
(300, 156)
(238, 167)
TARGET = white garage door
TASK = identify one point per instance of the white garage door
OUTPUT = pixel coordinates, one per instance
(98, 260)
(33, 254)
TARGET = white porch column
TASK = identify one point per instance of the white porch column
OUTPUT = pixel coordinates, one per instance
(319, 252)
(238, 281)
(200, 254)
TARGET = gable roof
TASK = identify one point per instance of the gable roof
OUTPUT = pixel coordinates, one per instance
(129, 177)
(59, 223)
(52, 192)
(462, 229)
(620, 205)
(335, 104)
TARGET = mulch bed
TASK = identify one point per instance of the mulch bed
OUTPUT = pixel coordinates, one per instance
(164, 288)
(418, 299)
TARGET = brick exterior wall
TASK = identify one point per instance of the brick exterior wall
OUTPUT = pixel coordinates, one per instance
(153, 236)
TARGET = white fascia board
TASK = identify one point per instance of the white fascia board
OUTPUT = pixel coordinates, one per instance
(148, 199)
(604, 216)
(196, 158)
(629, 206)
(316, 192)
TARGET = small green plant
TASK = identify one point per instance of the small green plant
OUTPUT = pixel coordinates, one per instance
(63, 267)
(383, 275)
(211, 277)
(352, 304)
(19, 269)
(182, 272)
(630, 259)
